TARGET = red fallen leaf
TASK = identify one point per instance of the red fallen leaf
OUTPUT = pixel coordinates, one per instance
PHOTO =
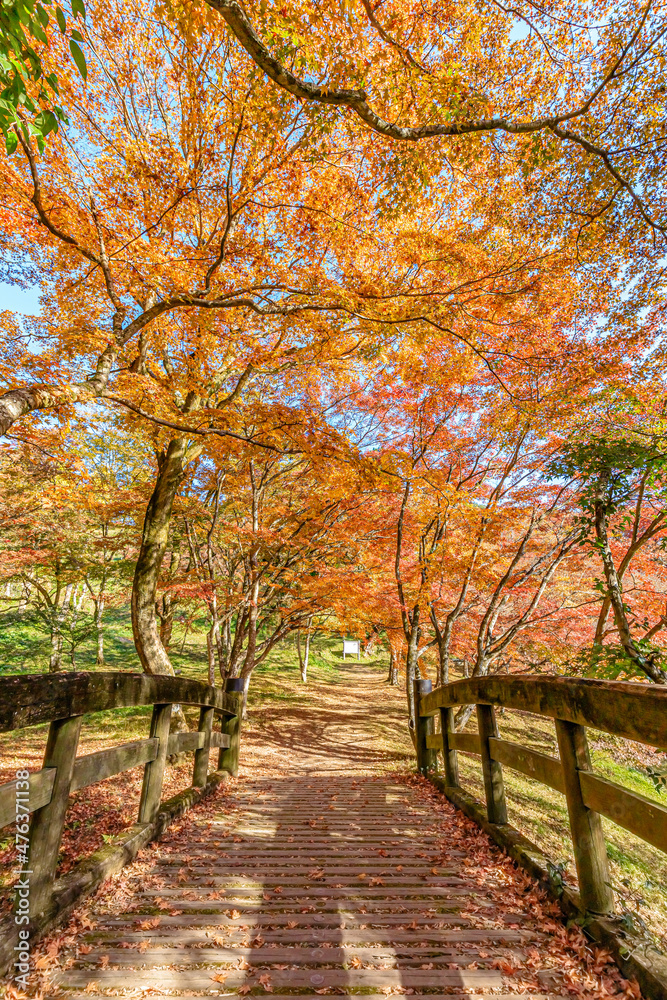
(91, 988)
(265, 980)
(219, 977)
(85, 949)
(504, 965)
(148, 925)
(104, 961)
(245, 988)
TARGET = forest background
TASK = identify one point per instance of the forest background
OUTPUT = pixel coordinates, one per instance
(300, 367)
(351, 323)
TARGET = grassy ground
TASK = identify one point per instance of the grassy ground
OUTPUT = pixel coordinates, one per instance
(639, 871)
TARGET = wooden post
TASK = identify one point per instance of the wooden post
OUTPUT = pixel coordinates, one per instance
(46, 829)
(449, 755)
(151, 791)
(492, 771)
(229, 757)
(427, 758)
(200, 770)
(590, 851)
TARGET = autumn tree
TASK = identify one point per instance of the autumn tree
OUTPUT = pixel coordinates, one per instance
(623, 503)
(573, 97)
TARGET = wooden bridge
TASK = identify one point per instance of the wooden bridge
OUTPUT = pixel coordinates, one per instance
(322, 878)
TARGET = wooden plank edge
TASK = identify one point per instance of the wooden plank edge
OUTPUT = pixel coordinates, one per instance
(41, 787)
(70, 890)
(539, 766)
(644, 817)
(465, 742)
(636, 957)
(220, 740)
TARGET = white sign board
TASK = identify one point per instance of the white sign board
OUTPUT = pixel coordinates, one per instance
(350, 646)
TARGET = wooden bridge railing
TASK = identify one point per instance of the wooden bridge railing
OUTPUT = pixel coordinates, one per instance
(63, 700)
(631, 710)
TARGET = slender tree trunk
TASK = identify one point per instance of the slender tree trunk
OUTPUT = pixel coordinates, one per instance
(412, 669)
(246, 674)
(60, 609)
(303, 656)
(225, 645)
(392, 676)
(211, 657)
(633, 652)
(297, 640)
(304, 672)
(99, 627)
(55, 660)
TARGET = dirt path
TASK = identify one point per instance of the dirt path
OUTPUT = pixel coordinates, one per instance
(318, 872)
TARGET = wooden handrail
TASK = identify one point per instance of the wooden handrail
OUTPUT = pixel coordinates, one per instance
(29, 699)
(624, 708)
(62, 700)
(630, 710)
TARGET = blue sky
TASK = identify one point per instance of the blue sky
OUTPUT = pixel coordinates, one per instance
(19, 299)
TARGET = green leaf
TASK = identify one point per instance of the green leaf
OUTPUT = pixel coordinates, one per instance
(79, 58)
(42, 16)
(38, 32)
(11, 142)
(46, 122)
(60, 18)
(78, 8)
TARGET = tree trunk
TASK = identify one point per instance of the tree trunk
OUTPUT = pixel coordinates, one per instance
(412, 669)
(59, 616)
(166, 615)
(171, 469)
(151, 652)
(299, 654)
(211, 657)
(56, 658)
(304, 672)
(461, 717)
(245, 674)
(392, 676)
(645, 663)
(99, 628)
